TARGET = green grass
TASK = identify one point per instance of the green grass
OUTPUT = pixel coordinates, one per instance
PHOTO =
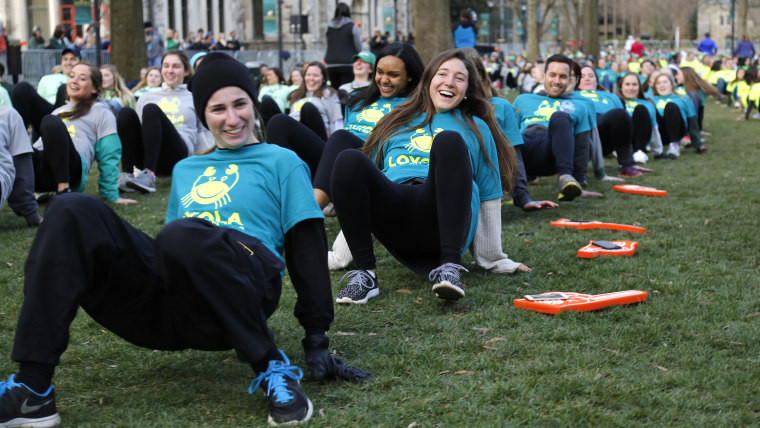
(688, 356)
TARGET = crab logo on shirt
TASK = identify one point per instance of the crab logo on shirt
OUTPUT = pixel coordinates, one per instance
(373, 113)
(545, 110)
(71, 130)
(661, 103)
(209, 189)
(421, 140)
(171, 110)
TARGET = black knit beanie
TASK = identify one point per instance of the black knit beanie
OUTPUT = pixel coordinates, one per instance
(216, 71)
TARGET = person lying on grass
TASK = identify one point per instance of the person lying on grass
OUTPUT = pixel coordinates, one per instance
(204, 282)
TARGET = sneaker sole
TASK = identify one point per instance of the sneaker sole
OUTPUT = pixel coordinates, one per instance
(48, 421)
(448, 291)
(309, 412)
(347, 300)
(570, 192)
(140, 188)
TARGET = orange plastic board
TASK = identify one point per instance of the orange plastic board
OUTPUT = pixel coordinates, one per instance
(593, 224)
(639, 190)
(581, 302)
(627, 248)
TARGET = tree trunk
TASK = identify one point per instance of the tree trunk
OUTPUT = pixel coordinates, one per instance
(591, 28)
(128, 50)
(432, 32)
(740, 15)
(532, 28)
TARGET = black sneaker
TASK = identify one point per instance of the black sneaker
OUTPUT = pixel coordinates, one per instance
(361, 287)
(448, 284)
(22, 407)
(288, 404)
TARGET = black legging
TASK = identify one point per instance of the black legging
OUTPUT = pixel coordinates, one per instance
(424, 225)
(31, 106)
(268, 109)
(339, 141)
(642, 128)
(615, 132)
(155, 145)
(312, 118)
(59, 162)
(670, 124)
(287, 132)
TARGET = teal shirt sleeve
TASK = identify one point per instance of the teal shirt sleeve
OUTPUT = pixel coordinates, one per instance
(108, 155)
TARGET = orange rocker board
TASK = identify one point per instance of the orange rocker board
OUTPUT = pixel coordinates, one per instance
(627, 248)
(555, 303)
(593, 224)
(639, 190)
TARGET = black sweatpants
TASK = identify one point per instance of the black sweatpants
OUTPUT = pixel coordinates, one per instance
(155, 144)
(59, 162)
(616, 132)
(194, 286)
(268, 108)
(555, 149)
(642, 128)
(423, 225)
(670, 124)
(289, 133)
(312, 119)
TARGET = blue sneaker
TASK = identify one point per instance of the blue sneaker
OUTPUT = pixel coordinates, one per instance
(288, 404)
(22, 407)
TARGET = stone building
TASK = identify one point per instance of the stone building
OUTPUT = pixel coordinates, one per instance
(714, 17)
(254, 21)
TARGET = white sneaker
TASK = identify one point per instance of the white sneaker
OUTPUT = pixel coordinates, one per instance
(640, 157)
(674, 149)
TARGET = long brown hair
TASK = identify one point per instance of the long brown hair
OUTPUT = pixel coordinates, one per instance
(693, 83)
(475, 104)
(83, 107)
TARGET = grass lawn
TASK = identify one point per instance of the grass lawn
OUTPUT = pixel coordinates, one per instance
(688, 356)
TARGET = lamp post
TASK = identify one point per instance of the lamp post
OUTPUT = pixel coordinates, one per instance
(490, 21)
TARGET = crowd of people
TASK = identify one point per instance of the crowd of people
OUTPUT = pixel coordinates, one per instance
(374, 138)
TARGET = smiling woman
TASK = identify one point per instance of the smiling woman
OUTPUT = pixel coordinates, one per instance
(65, 153)
(162, 129)
(432, 157)
(209, 280)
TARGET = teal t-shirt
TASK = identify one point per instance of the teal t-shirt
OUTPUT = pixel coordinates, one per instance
(361, 122)
(505, 118)
(685, 105)
(605, 73)
(602, 101)
(407, 156)
(262, 190)
(535, 109)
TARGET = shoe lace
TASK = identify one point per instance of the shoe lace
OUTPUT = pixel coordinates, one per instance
(275, 376)
(9, 384)
(362, 278)
(446, 271)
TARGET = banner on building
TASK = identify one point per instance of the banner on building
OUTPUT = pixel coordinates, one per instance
(388, 15)
(270, 16)
(484, 24)
(82, 12)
